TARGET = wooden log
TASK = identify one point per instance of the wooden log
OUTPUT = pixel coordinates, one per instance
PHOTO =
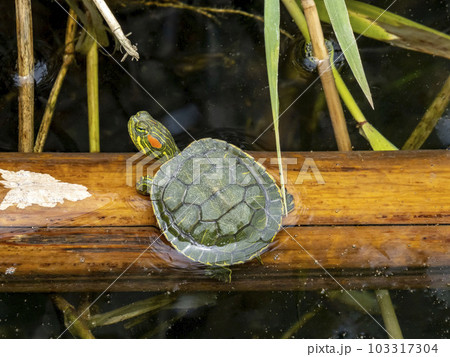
(380, 220)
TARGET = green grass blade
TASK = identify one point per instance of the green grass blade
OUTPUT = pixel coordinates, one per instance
(272, 43)
(337, 12)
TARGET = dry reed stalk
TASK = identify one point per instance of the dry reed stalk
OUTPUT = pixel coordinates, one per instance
(69, 55)
(92, 94)
(430, 119)
(130, 49)
(25, 64)
(326, 76)
(341, 133)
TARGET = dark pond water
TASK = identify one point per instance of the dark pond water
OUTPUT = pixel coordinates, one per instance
(211, 77)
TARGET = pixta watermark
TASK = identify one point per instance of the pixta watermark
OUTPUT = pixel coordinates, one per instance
(233, 170)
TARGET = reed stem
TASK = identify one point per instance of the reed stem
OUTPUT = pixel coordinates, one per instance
(388, 313)
(430, 119)
(92, 94)
(331, 82)
(25, 64)
(69, 50)
(348, 99)
(72, 320)
(301, 322)
(298, 17)
(326, 76)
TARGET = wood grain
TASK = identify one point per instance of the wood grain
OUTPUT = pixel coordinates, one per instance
(381, 220)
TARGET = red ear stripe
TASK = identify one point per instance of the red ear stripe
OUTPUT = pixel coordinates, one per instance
(154, 142)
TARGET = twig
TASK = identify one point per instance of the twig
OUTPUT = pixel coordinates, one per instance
(132, 310)
(113, 24)
(430, 119)
(92, 94)
(180, 5)
(72, 320)
(301, 322)
(25, 61)
(68, 57)
(326, 76)
(388, 313)
(207, 10)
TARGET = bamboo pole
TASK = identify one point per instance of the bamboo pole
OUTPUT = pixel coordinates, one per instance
(69, 55)
(337, 117)
(92, 94)
(351, 188)
(84, 245)
(326, 76)
(25, 63)
(91, 258)
(430, 119)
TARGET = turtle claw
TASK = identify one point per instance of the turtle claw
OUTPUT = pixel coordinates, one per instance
(222, 274)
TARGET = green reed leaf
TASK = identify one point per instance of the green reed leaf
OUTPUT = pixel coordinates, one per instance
(337, 12)
(272, 43)
(382, 25)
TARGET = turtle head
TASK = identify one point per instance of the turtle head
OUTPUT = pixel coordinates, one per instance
(151, 137)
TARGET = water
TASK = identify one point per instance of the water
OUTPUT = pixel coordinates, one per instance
(211, 78)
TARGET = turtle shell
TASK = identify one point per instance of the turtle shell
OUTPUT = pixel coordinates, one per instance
(216, 204)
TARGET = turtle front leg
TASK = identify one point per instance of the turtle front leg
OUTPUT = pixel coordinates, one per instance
(289, 203)
(144, 185)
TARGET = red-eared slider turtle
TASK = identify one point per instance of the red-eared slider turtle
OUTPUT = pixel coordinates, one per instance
(214, 203)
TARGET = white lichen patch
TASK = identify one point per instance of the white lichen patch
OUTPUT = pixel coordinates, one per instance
(28, 188)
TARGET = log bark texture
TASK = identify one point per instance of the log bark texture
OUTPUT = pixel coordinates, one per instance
(377, 220)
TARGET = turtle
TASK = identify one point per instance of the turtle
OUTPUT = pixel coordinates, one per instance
(214, 202)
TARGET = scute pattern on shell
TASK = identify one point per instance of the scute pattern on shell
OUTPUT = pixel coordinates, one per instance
(216, 204)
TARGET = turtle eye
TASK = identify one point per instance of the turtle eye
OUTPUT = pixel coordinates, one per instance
(140, 128)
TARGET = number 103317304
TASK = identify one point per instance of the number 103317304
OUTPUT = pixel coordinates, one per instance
(409, 348)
